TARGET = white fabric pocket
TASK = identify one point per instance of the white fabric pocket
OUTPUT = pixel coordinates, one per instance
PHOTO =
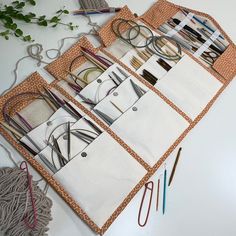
(41, 133)
(101, 177)
(189, 86)
(99, 88)
(150, 127)
(122, 98)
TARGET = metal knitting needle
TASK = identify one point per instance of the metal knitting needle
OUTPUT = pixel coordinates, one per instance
(48, 101)
(79, 136)
(73, 109)
(93, 126)
(137, 89)
(104, 117)
(86, 136)
(55, 150)
(117, 77)
(53, 100)
(47, 163)
(122, 72)
(116, 84)
(56, 145)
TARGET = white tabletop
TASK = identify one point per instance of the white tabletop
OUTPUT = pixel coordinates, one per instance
(202, 198)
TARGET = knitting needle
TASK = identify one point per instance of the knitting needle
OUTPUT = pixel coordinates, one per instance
(86, 136)
(95, 57)
(27, 147)
(117, 77)
(73, 109)
(174, 167)
(164, 64)
(96, 11)
(48, 101)
(24, 121)
(87, 100)
(16, 125)
(116, 107)
(164, 192)
(95, 62)
(52, 99)
(47, 163)
(75, 87)
(57, 99)
(77, 77)
(104, 117)
(11, 129)
(116, 84)
(55, 150)
(122, 72)
(158, 194)
(137, 89)
(68, 141)
(56, 145)
(92, 125)
(79, 136)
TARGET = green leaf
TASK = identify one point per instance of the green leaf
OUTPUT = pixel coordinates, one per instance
(14, 26)
(20, 16)
(9, 9)
(4, 33)
(54, 19)
(10, 26)
(27, 19)
(6, 37)
(20, 5)
(59, 11)
(27, 38)
(32, 2)
(18, 32)
(66, 12)
(43, 23)
(41, 18)
(8, 19)
(31, 15)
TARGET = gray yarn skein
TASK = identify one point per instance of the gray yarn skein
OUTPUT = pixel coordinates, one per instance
(15, 204)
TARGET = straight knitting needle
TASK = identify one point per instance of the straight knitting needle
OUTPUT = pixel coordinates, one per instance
(68, 141)
(92, 125)
(174, 167)
(164, 193)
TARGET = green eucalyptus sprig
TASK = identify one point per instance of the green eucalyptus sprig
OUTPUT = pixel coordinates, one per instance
(10, 14)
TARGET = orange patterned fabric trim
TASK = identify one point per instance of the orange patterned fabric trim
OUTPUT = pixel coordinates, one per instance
(226, 64)
(159, 13)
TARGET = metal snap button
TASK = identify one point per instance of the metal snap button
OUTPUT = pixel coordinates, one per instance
(84, 154)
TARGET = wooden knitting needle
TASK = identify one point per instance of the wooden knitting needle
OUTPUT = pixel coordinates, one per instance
(77, 77)
(9, 128)
(174, 167)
